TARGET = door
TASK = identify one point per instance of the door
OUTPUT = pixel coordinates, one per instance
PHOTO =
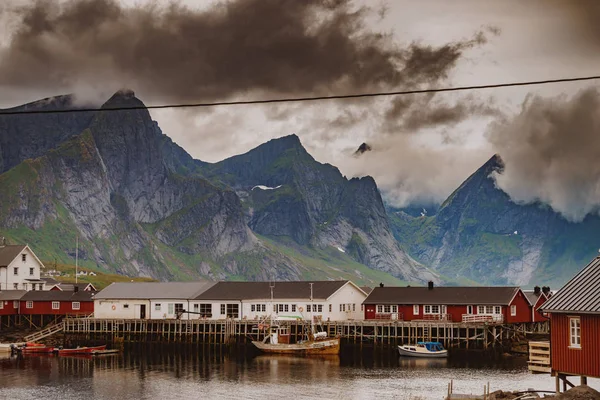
(369, 312)
(142, 311)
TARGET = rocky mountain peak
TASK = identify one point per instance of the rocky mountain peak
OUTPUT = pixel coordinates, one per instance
(124, 98)
(363, 148)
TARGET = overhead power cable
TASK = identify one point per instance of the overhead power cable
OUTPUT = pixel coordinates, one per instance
(305, 99)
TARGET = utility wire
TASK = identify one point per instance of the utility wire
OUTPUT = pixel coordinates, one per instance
(304, 99)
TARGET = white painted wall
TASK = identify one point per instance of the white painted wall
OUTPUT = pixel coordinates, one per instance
(8, 278)
(350, 296)
(123, 309)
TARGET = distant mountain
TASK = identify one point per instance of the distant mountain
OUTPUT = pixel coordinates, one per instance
(363, 148)
(479, 234)
(141, 205)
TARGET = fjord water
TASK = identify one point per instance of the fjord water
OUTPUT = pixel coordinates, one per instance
(167, 372)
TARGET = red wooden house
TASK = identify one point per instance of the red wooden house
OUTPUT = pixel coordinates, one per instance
(575, 319)
(9, 307)
(455, 304)
(49, 305)
(536, 298)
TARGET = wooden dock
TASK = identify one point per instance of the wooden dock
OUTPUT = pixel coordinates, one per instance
(539, 357)
(452, 335)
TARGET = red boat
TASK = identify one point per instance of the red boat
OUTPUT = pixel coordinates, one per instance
(36, 349)
(80, 350)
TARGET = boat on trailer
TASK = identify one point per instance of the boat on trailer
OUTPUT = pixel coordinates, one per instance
(423, 349)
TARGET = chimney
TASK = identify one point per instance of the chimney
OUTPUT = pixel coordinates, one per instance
(546, 290)
(430, 285)
(381, 284)
(75, 288)
(537, 290)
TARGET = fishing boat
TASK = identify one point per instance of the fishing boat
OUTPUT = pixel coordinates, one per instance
(80, 350)
(277, 339)
(423, 349)
(38, 349)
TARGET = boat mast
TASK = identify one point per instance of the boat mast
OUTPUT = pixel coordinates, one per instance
(76, 255)
(312, 319)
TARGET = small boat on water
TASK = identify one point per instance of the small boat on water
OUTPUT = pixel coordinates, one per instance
(423, 349)
(278, 342)
(42, 349)
(80, 350)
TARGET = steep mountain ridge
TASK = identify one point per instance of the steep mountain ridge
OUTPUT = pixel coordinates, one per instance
(141, 205)
(479, 233)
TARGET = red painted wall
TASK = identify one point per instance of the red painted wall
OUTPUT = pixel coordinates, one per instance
(45, 308)
(583, 361)
(8, 308)
(523, 309)
(536, 314)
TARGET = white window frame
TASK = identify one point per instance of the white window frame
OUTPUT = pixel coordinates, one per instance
(1, 304)
(513, 310)
(31, 271)
(29, 304)
(171, 308)
(15, 303)
(575, 332)
(379, 308)
(56, 305)
(15, 271)
(157, 306)
(415, 309)
(76, 305)
(432, 309)
(469, 310)
(489, 310)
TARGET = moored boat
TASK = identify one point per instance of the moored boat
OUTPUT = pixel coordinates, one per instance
(43, 349)
(277, 342)
(80, 350)
(423, 349)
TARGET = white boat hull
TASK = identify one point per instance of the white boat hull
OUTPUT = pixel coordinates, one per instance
(327, 346)
(424, 354)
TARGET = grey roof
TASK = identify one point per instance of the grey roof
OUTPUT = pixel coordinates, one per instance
(50, 280)
(9, 252)
(366, 289)
(57, 295)
(153, 290)
(262, 290)
(456, 295)
(581, 294)
(533, 297)
(70, 287)
(7, 295)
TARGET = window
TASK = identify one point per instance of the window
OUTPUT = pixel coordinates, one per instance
(353, 307)
(41, 286)
(16, 304)
(233, 310)
(125, 305)
(15, 286)
(56, 305)
(253, 308)
(157, 307)
(29, 304)
(1, 304)
(31, 271)
(196, 307)
(33, 286)
(343, 307)
(293, 308)
(15, 271)
(330, 308)
(171, 309)
(287, 308)
(178, 308)
(308, 308)
(340, 307)
(24, 286)
(320, 308)
(469, 309)
(75, 305)
(513, 310)
(575, 332)
(24, 257)
(416, 309)
(431, 309)
(206, 310)
(497, 310)
(490, 310)
(379, 308)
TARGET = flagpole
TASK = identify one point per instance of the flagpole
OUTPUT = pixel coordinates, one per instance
(76, 255)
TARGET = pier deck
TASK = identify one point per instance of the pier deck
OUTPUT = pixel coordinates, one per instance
(462, 335)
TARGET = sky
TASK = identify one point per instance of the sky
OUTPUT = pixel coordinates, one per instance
(423, 146)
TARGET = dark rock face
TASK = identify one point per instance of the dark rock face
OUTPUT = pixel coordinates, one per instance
(292, 195)
(479, 233)
(363, 148)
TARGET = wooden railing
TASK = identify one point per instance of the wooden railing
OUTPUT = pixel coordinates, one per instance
(478, 318)
(390, 316)
(437, 317)
(539, 357)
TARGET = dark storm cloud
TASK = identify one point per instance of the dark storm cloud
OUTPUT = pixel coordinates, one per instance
(231, 48)
(551, 152)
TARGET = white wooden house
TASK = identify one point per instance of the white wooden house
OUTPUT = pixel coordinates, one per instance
(147, 300)
(19, 268)
(324, 300)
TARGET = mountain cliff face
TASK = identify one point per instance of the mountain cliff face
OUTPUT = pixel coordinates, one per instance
(478, 233)
(288, 194)
(141, 205)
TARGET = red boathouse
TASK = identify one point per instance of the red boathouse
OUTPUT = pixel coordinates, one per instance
(453, 304)
(575, 319)
(51, 305)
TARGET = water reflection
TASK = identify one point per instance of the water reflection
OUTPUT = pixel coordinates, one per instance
(196, 372)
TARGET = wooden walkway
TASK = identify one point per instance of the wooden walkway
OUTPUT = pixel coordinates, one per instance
(229, 331)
